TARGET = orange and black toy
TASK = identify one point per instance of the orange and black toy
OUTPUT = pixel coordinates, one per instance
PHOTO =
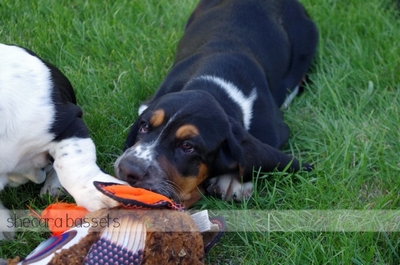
(147, 228)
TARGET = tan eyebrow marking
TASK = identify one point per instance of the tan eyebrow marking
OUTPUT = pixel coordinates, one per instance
(158, 118)
(187, 131)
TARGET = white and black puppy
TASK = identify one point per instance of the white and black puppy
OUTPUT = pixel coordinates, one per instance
(39, 123)
(216, 115)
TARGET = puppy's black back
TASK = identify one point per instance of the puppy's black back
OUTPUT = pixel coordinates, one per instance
(284, 50)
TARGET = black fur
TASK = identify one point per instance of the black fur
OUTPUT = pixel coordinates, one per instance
(263, 45)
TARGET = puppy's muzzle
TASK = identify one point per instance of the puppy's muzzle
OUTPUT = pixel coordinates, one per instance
(142, 171)
(131, 172)
(136, 172)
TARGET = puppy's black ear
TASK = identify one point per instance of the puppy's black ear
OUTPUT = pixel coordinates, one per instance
(229, 157)
(131, 138)
(247, 152)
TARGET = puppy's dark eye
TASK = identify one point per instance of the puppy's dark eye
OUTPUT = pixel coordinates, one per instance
(187, 147)
(144, 127)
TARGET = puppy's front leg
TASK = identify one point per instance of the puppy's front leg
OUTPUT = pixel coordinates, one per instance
(6, 227)
(75, 164)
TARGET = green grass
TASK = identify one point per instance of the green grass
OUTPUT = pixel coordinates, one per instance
(346, 123)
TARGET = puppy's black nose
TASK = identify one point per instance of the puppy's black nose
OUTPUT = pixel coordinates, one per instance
(130, 171)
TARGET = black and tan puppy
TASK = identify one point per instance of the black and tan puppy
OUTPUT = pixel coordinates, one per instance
(217, 114)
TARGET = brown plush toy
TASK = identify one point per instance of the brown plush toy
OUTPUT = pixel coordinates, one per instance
(147, 228)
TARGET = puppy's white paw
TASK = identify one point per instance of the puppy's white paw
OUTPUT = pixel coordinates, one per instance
(52, 185)
(6, 226)
(227, 187)
(218, 186)
(242, 191)
(88, 196)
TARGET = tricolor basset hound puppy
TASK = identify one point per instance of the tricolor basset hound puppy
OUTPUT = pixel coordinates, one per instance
(216, 116)
(42, 133)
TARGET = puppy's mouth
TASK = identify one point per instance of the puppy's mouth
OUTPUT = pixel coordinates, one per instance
(147, 175)
(160, 187)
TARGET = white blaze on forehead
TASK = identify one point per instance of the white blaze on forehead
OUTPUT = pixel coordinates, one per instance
(144, 151)
(245, 102)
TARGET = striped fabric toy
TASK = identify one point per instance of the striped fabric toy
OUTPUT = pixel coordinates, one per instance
(147, 228)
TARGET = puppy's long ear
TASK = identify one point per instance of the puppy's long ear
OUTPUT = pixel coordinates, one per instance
(131, 138)
(247, 153)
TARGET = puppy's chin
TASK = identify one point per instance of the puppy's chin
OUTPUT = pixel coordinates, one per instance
(189, 199)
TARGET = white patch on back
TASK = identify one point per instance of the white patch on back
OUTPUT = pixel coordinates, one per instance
(245, 102)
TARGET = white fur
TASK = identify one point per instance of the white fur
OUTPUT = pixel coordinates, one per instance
(6, 231)
(228, 187)
(245, 102)
(26, 116)
(143, 151)
(75, 164)
(142, 108)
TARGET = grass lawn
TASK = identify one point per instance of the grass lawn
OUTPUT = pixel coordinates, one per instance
(346, 123)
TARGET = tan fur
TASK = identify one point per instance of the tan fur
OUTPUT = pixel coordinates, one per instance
(187, 131)
(158, 118)
(188, 185)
